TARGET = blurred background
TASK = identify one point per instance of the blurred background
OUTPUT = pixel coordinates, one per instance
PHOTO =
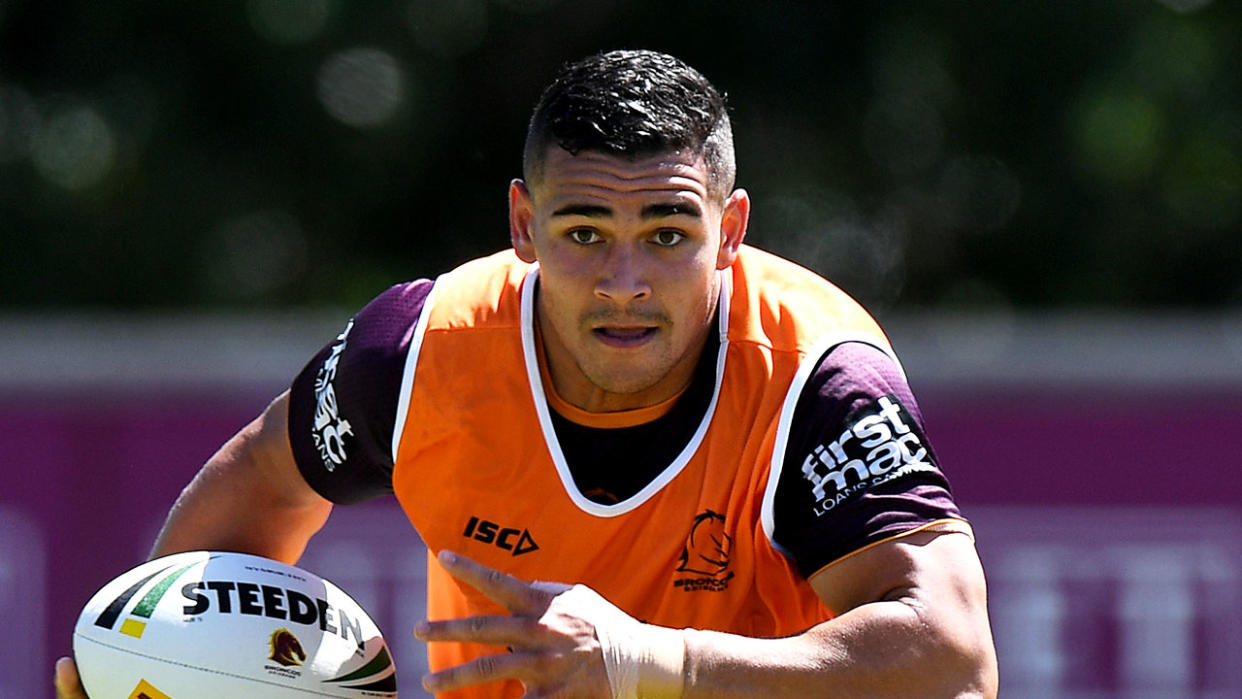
(1041, 201)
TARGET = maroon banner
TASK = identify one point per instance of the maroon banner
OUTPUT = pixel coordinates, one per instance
(1109, 523)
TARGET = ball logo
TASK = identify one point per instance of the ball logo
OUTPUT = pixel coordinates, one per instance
(241, 597)
(145, 690)
(136, 624)
(286, 649)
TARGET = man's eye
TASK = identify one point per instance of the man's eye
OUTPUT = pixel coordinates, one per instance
(668, 238)
(584, 236)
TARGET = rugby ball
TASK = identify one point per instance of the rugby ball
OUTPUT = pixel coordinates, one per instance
(210, 624)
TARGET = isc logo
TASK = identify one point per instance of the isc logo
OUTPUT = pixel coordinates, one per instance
(516, 540)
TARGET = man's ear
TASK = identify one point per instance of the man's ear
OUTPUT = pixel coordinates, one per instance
(521, 220)
(733, 221)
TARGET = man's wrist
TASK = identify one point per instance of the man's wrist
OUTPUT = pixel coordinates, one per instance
(644, 661)
(661, 673)
(641, 660)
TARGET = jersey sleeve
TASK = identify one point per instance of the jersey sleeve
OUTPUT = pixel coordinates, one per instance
(343, 405)
(858, 468)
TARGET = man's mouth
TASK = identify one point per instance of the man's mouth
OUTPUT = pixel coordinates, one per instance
(630, 336)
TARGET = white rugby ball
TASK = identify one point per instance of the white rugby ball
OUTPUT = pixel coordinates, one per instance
(210, 624)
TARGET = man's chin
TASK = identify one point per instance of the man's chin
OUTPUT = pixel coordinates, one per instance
(625, 386)
(629, 388)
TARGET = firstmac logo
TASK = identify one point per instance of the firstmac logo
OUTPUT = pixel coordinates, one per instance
(880, 442)
(330, 429)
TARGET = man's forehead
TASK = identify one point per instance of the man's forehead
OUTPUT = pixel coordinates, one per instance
(595, 174)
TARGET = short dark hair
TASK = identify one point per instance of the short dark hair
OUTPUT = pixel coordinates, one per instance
(633, 104)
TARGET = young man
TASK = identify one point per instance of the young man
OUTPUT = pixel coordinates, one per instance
(714, 447)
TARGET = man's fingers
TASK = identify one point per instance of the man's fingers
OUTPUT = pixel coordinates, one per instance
(514, 594)
(487, 668)
(492, 630)
(68, 684)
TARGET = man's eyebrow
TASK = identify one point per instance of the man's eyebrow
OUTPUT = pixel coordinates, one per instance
(666, 210)
(649, 212)
(588, 210)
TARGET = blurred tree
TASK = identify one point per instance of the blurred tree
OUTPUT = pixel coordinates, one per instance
(264, 153)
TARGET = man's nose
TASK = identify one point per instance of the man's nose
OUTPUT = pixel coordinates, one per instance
(623, 276)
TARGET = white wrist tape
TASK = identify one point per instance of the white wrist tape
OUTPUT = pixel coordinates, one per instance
(643, 661)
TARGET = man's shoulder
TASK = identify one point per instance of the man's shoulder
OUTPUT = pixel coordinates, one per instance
(791, 306)
(503, 264)
(480, 292)
(388, 316)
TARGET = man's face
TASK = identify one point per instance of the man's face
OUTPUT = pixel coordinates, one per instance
(628, 253)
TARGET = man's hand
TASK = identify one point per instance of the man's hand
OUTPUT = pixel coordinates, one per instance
(68, 684)
(564, 641)
(554, 651)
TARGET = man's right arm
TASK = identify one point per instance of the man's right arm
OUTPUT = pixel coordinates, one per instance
(249, 497)
(267, 490)
(327, 439)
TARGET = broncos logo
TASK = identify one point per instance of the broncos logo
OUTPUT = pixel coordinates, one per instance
(286, 649)
(707, 548)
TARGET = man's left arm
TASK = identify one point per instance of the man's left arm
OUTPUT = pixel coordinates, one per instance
(911, 621)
